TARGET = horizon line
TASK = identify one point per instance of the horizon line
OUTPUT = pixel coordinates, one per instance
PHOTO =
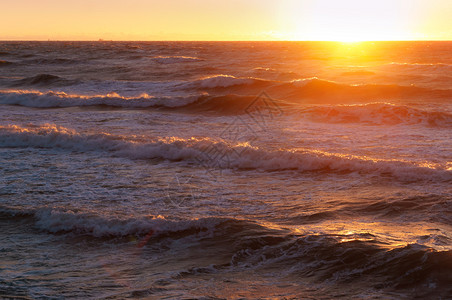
(109, 40)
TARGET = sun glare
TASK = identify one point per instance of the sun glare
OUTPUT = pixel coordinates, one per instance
(238, 20)
(350, 21)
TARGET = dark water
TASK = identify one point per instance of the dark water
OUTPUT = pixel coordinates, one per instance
(226, 170)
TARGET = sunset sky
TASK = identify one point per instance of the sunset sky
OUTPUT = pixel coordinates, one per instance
(345, 20)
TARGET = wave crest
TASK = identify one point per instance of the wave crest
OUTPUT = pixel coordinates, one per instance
(60, 99)
(240, 156)
(248, 245)
(175, 59)
(224, 81)
(319, 90)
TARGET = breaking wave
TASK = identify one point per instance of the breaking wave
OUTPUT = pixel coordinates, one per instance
(60, 99)
(240, 156)
(315, 89)
(56, 221)
(302, 91)
(227, 104)
(378, 113)
(224, 81)
(248, 245)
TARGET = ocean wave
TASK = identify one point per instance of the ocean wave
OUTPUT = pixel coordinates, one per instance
(378, 114)
(358, 259)
(437, 207)
(246, 245)
(239, 155)
(264, 69)
(59, 222)
(221, 84)
(175, 59)
(203, 103)
(222, 81)
(60, 99)
(42, 80)
(296, 92)
(316, 89)
(395, 207)
(276, 74)
(55, 220)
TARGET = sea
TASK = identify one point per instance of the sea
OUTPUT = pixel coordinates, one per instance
(225, 170)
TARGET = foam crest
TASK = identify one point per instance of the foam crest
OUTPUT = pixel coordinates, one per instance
(57, 221)
(60, 99)
(240, 156)
(302, 82)
(325, 257)
(175, 59)
(223, 81)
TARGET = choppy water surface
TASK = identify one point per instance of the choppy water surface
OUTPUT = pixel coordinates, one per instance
(225, 170)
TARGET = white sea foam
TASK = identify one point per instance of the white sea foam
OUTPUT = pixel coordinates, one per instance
(239, 156)
(222, 81)
(304, 81)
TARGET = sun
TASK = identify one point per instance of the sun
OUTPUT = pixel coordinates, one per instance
(347, 21)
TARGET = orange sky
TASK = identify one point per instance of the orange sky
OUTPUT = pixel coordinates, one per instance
(344, 20)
